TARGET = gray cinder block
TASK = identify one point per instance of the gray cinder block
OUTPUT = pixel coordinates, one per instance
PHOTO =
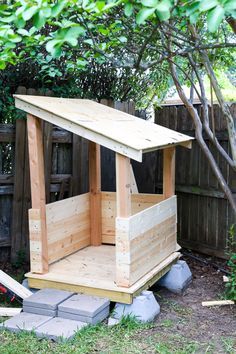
(24, 321)
(144, 308)
(86, 308)
(47, 299)
(59, 328)
(99, 317)
(40, 311)
(178, 278)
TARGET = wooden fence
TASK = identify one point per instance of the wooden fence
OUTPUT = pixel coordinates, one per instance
(204, 214)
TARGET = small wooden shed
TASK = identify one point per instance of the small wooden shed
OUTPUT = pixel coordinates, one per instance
(111, 244)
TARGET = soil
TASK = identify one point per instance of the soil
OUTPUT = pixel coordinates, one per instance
(212, 325)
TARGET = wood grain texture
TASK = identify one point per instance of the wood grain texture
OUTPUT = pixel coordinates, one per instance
(119, 131)
(68, 226)
(144, 240)
(123, 186)
(169, 172)
(139, 202)
(37, 182)
(95, 194)
(76, 273)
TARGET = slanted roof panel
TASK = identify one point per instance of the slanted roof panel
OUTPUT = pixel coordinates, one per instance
(102, 124)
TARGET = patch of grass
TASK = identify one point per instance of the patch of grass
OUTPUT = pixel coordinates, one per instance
(167, 323)
(178, 309)
(229, 344)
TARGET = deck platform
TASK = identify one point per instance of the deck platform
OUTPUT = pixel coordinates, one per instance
(92, 271)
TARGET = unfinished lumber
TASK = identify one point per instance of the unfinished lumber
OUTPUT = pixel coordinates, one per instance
(14, 286)
(9, 311)
(133, 186)
(139, 202)
(95, 193)
(169, 172)
(38, 241)
(155, 226)
(217, 303)
(118, 131)
(225, 279)
(123, 181)
(68, 226)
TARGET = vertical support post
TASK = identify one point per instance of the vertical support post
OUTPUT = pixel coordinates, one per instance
(169, 172)
(95, 193)
(123, 186)
(123, 207)
(37, 215)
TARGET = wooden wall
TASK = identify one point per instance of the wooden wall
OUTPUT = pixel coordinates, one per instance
(144, 240)
(139, 202)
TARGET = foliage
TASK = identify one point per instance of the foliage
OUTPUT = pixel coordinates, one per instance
(66, 24)
(231, 253)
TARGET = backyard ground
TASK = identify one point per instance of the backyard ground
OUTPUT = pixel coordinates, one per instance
(182, 327)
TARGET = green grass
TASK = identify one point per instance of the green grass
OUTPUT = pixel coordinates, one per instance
(128, 337)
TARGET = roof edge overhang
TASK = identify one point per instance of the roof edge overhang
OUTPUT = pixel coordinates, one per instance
(62, 122)
(79, 130)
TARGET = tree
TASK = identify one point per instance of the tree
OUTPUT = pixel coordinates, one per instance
(181, 40)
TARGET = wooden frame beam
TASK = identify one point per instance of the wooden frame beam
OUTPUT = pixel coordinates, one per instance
(123, 186)
(168, 172)
(95, 193)
(37, 218)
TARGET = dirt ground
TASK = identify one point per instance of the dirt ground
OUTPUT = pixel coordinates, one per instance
(215, 326)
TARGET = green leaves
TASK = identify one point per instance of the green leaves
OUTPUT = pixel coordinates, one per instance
(214, 18)
(29, 13)
(143, 15)
(160, 8)
(65, 35)
(128, 9)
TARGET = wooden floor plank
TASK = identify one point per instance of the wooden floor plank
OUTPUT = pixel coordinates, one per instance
(76, 273)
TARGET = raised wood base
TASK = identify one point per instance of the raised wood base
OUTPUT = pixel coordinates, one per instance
(92, 271)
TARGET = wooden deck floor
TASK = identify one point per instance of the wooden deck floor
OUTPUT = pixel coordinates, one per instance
(92, 271)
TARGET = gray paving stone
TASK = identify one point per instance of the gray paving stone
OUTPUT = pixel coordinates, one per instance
(24, 321)
(84, 305)
(59, 329)
(47, 298)
(40, 311)
(99, 317)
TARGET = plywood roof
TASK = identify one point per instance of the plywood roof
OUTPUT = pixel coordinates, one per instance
(119, 131)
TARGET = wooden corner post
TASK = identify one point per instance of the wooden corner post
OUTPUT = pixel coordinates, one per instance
(37, 215)
(168, 172)
(123, 207)
(95, 193)
(123, 186)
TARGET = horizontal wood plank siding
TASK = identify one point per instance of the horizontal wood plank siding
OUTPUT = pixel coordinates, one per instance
(139, 202)
(68, 226)
(144, 240)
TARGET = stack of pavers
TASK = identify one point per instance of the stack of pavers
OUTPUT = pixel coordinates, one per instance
(58, 314)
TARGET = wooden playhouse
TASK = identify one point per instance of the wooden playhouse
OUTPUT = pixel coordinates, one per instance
(112, 244)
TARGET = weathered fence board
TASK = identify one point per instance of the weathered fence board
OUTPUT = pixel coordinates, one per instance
(204, 215)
